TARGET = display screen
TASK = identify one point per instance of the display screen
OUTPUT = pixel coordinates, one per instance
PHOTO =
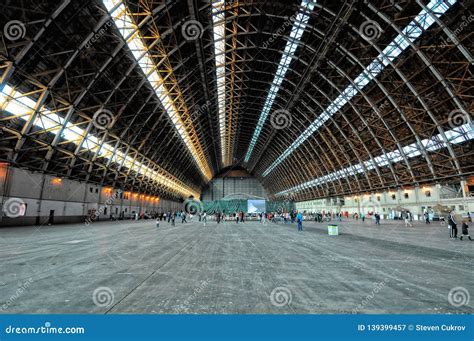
(256, 206)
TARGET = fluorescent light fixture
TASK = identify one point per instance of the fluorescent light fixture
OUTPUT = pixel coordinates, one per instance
(461, 134)
(22, 107)
(218, 22)
(288, 53)
(130, 33)
(412, 31)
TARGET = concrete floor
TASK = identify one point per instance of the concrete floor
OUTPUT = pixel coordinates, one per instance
(133, 267)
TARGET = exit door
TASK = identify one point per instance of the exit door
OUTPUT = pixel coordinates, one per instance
(51, 217)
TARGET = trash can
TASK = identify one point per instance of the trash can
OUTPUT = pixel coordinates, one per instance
(333, 230)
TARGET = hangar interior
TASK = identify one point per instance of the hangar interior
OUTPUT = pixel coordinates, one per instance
(116, 112)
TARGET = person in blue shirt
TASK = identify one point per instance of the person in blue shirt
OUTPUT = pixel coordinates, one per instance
(299, 219)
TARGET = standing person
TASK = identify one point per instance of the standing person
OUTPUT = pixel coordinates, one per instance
(377, 219)
(204, 218)
(169, 216)
(183, 218)
(465, 230)
(299, 219)
(262, 218)
(218, 217)
(427, 218)
(173, 219)
(407, 220)
(158, 222)
(362, 216)
(469, 217)
(452, 223)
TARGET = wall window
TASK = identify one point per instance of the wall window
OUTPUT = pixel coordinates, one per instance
(105, 210)
(406, 196)
(378, 197)
(428, 194)
(394, 196)
(97, 190)
(90, 189)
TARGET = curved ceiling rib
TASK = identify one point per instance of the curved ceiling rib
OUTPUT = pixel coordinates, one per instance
(367, 113)
(462, 134)
(161, 79)
(20, 105)
(297, 31)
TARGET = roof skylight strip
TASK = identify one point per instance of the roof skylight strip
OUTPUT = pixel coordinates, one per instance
(413, 30)
(288, 53)
(218, 20)
(22, 107)
(458, 135)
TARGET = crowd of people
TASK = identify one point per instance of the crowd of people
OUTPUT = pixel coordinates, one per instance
(298, 217)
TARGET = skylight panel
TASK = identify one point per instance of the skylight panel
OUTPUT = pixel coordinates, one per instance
(22, 107)
(413, 30)
(411, 151)
(288, 53)
(129, 31)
